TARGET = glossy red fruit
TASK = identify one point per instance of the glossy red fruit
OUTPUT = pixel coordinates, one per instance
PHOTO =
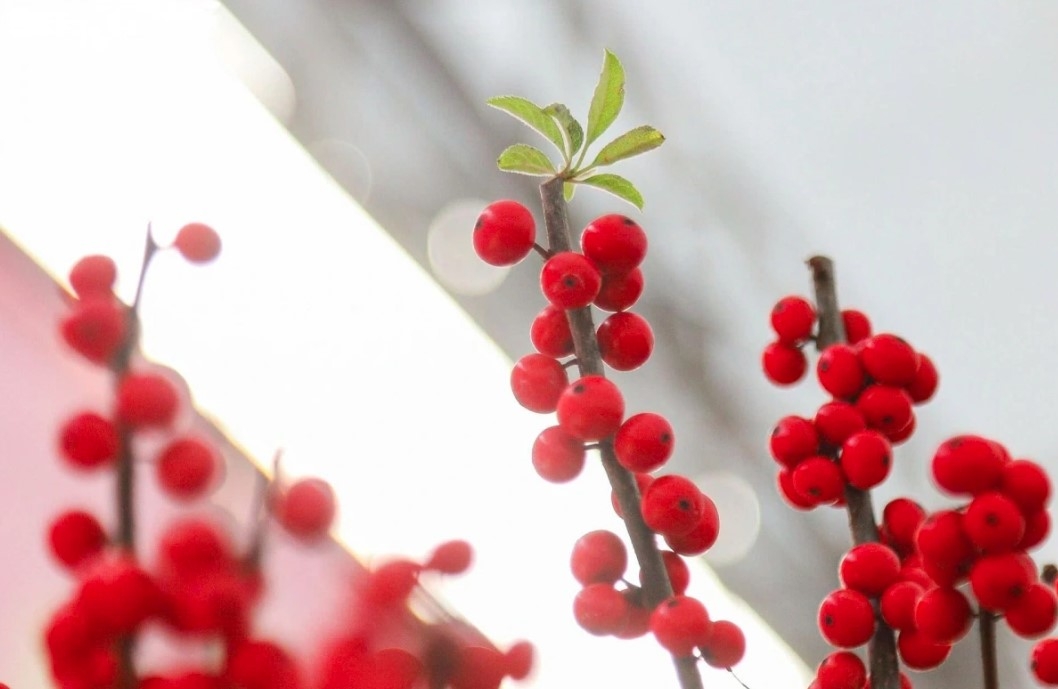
(869, 568)
(256, 664)
(841, 670)
(672, 505)
(569, 280)
(680, 624)
(614, 243)
(644, 442)
(1026, 483)
(307, 508)
(919, 652)
(887, 409)
(943, 615)
(625, 341)
(793, 497)
(783, 364)
(600, 609)
(857, 325)
(840, 372)
(792, 319)
(119, 594)
(550, 333)
(945, 549)
(818, 479)
(1045, 661)
(1035, 613)
(846, 619)
(197, 242)
(89, 441)
(967, 465)
(889, 360)
(537, 382)
(504, 233)
(193, 547)
(866, 458)
(146, 400)
(519, 660)
(994, 523)
(924, 384)
(1000, 581)
(451, 557)
(792, 440)
(700, 538)
(95, 329)
(620, 292)
(898, 602)
(558, 457)
(591, 408)
(75, 538)
(599, 557)
(94, 276)
(836, 421)
(901, 518)
(1037, 527)
(187, 468)
(726, 645)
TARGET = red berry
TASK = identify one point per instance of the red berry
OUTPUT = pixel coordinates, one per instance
(187, 468)
(94, 276)
(600, 609)
(478, 667)
(197, 242)
(901, 518)
(390, 583)
(943, 615)
(700, 538)
(1000, 581)
(836, 421)
(550, 333)
(994, 523)
(946, 550)
(889, 360)
(558, 457)
(819, 479)
(1045, 661)
(599, 557)
(919, 652)
(677, 570)
(840, 372)
(537, 381)
(792, 440)
(846, 619)
(857, 325)
(95, 329)
(726, 645)
(924, 384)
(866, 458)
(261, 665)
(306, 509)
(620, 292)
(1026, 483)
(793, 497)
(193, 547)
(1037, 527)
(451, 557)
(625, 341)
(967, 465)
(680, 624)
(885, 408)
(519, 659)
(89, 441)
(841, 670)
(1035, 613)
(644, 442)
(869, 568)
(504, 233)
(591, 408)
(119, 594)
(569, 280)
(614, 243)
(897, 437)
(783, 364)
(672, 505)
(792, 319)
(897, 604)
(146, 399)
(75, 538)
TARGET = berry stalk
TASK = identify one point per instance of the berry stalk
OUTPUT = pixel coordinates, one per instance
(656, 585)
(986, 627)
(881, 650)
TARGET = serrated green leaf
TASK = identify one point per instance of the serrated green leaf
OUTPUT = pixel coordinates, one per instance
(525, 159)
(532, 115)
(574, 132)
(618, 186)
(568, 190)
(608, 98)
(631, 143)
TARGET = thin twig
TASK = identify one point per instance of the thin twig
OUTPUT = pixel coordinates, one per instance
(986, 626)
(881, 651)
(656, 585)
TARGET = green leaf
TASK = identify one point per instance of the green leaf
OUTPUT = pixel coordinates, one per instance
(568, 189)
(574, 133)
(618, 186)
(631, 143)
(608, 98)
(532, 115)
(526, 160)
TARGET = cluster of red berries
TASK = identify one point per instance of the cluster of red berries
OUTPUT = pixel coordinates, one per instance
(874, 380)
(591, 410)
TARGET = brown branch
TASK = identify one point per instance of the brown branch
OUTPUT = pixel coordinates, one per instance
(986, 626)
(656, 585)
(881, 651)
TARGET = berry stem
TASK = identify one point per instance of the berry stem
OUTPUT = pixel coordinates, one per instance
(656, 583)
(881, 651)
(986, 625)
